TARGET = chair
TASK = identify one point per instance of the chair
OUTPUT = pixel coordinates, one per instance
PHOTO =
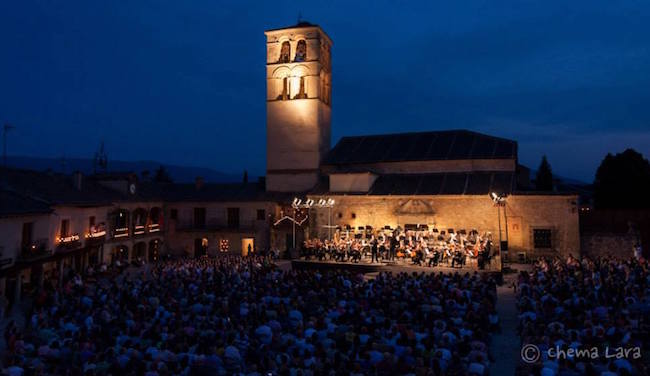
(521, 257)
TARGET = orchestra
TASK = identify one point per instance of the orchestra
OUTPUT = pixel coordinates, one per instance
(420, 246)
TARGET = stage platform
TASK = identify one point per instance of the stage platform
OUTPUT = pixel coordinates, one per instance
(365, 267)
(361, 267)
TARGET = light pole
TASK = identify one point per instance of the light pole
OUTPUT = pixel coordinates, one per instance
(499, 201)
(298, 204)
(329, 204)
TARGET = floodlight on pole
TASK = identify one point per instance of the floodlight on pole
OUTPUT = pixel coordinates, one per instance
(499, 201)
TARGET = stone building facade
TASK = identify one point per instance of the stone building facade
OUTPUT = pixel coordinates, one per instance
(524, 215)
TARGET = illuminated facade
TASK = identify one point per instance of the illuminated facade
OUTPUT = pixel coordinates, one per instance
(298, 81)
(439, 179)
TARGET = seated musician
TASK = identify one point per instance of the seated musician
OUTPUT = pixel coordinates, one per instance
(382, 250)
(417, 256)
(435, 257)
(485, 254)
(355, 253)
(340, 252)
(408, 252)
(459, 258)
(321, 251)
(448, 253)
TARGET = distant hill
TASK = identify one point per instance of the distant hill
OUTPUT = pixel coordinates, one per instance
(180, 174)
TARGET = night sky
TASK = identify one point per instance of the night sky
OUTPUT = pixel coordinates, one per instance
(183, 82)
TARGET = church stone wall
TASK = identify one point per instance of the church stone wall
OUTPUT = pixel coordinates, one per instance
(524, 214)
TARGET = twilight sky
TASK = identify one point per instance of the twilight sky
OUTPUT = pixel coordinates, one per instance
(183, 82)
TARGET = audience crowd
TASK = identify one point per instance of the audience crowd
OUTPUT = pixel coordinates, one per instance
(240, 315)
(600, 307)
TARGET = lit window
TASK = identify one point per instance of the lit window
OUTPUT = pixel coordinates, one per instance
(285, 53)
(301, 51)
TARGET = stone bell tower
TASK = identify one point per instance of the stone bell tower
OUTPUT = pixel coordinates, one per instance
(298, 95)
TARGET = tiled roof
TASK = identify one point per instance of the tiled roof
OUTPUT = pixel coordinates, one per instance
(54, 188)
(420, 146)
(235, 192)
(26, 191)
(12, 203)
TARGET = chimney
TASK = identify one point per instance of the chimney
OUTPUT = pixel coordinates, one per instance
(77, 178)
(198, 182)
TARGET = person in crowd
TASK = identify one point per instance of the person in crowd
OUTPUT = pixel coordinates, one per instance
(587, 304)
(230, 315)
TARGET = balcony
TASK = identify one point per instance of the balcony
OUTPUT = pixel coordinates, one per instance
(120, 232)
(96, 235)
(154, 227)
(33, 252)
(68, 242)
(138, 230)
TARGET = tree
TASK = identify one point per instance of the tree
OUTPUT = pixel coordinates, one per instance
(544, 177)
(245, 176)
(162, 176)
(623, 181)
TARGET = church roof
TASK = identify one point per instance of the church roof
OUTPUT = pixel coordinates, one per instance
(448, 183)
(298, 25)
(420, 146)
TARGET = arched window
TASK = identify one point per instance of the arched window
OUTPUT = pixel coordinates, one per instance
(301, 51)
(285, 52)
(285, 89)
(301, 93)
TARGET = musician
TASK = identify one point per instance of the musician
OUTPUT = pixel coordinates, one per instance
(393, 246)
(382, 249)
(484, 258)
(373, 249)
(355, 253)
(433, 260)
(418, 256)
(458, 258)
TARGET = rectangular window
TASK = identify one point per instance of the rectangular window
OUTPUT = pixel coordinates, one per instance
(28, 230)
(199, 217)
(261, 214)
(65, 228)
(542, 238)
(173, 214)
(233, 217)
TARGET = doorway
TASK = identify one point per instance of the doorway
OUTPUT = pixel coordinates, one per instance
(200, 247)
(120, 253)
(247, 246)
